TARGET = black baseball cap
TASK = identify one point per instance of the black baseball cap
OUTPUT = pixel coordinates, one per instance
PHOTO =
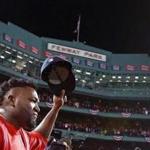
(57, 72)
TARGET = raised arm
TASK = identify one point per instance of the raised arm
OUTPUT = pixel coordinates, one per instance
(47, 124)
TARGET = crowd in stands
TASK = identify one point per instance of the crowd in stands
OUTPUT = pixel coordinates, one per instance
(116, 106)
(92, 144)
(109, 106)
(99, 126)
(104, 126)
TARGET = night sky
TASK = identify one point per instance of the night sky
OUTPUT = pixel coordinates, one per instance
(120, 26)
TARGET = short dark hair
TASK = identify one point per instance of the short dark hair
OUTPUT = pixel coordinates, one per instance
(14, 82)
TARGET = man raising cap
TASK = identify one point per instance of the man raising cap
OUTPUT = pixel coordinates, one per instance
(18, 113)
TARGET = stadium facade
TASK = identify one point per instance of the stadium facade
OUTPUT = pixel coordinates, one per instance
(102, 78)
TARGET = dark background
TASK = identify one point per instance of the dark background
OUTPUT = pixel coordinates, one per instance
(120, 26)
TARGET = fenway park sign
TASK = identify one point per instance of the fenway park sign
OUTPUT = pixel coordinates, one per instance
(77, 52)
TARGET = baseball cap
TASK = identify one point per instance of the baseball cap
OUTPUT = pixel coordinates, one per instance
(57, 72)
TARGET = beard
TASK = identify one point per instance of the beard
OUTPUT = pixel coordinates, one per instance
(25, 118)
(27, 121)
(31, 124)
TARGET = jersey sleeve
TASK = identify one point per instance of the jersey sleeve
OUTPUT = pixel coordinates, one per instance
(37, 141)
(1, 137)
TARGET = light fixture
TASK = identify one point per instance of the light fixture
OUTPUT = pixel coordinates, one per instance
(103, 75)
(30, 62)
(119, 77)
(2, 57)
(88, 73)
(13, 61)
(77, 70)
(136, 77)
(20, 57)
(97, 82)
(128, 77)
(7, 52)
(114, 77)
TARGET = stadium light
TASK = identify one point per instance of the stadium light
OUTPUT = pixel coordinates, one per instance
(83, 81)
(13, 61)
(20, 57)
(14, 50)
(2, 57)
(119, 81)
(20, 52)
(30, 62)
(76, 79)
(24, 65)
(97, 82)
(103, 75)
(136, 77)
(25, 55)
(77, 70)
(31, 57)
(128, 77)
(2, 45)
(114, 77)
(36, 59)
(88, 73)
(8, 52)
(8, 47)
(119, 77)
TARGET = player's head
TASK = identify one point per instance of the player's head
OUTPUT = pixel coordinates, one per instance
(19, 100)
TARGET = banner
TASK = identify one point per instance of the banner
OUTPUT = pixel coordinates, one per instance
(63, 56)
(77, 52)
(103, 65)
(48, 54)
(145, 68)
(94, 112)
(34, 50)
(116, 67)
(89, 63)
(7, 38)
(130, 67)
(76, 60)
(147, 139)
(21, 44)
(117, 138)
(126, 115)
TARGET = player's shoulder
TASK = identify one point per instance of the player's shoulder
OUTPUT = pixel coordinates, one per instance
(2, 124)
(6, 126)
(2, 119)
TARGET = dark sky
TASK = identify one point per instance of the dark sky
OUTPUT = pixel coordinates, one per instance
(120, 26)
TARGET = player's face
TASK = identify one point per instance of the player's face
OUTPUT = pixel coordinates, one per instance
(26, 107)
